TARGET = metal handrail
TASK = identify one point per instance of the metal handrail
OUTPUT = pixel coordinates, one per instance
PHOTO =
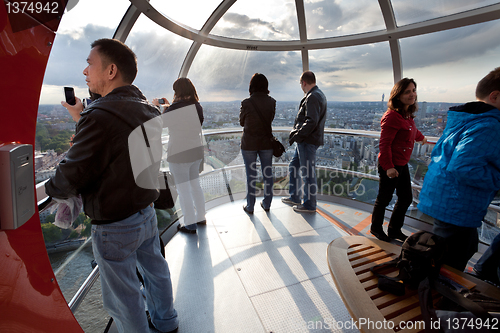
(344, 171)
(235, 130)
(84, 290)
(334, 131)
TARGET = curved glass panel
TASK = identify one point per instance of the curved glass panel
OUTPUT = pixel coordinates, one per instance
(338, 18)
(72, 45)
(408, 12)
(79, 18)
(259, 20)
(70, 276)
(71, 260)
(353, 74)
(160, 54)
(349, 167)
(346, 168)
(193, 13)
(447, 65)
(68, 249)
(224, 75)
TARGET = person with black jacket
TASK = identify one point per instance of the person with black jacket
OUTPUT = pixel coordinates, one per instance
(100, 168)
(255, 140)
(308, 133)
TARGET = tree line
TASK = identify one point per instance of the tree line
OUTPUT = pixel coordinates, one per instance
(52, 233)
(47, 137)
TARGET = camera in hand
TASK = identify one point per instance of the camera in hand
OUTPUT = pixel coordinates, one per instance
(69, 93)
(161, 100)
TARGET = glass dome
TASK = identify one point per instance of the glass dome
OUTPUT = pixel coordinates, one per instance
(357, 49)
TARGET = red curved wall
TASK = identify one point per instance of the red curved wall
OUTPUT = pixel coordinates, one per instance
(30, 299)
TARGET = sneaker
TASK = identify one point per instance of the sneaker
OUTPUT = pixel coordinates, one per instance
(247, 210)
(186, 230)
(289, 201)
(262, 205)
(302, 209)
(202, 222)
(397, 235)
(380, 234)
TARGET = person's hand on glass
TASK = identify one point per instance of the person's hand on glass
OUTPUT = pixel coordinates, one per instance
(74, 110)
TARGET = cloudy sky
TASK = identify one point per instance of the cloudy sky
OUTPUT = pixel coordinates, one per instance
(446, 65)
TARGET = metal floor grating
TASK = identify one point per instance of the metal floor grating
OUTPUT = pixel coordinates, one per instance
(265, 272)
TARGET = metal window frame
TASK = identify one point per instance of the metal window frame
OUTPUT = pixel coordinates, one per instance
(391, 34)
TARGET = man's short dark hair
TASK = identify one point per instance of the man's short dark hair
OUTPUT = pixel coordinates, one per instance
(308, 77)
(489, 83)
(115, 52)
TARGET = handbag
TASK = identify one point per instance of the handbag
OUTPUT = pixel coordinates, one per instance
(168, 192)
(278, 148)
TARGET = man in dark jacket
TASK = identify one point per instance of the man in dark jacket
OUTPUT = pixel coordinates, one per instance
(308, 132)
(100, 167)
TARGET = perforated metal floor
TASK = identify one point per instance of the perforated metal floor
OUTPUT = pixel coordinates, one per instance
(265, 272)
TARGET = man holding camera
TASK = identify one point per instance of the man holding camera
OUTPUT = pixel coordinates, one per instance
(98, 167)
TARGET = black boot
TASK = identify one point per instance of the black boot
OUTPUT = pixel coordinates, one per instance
(396, 234)
(380, 234)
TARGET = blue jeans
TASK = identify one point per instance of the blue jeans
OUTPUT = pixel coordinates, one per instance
(462, 243)
(488, 266)
(303, 164)
(266, 161)
(191, 197)
(119, 248)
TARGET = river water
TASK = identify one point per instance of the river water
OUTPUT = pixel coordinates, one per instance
(72, 269)
(70, 276)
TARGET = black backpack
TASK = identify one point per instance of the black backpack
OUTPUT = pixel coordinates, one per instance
(421, 256)
(419, 264)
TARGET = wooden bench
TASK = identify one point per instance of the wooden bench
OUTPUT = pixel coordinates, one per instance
(350, 259)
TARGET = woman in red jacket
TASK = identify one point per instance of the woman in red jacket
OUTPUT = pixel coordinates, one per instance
(397, 138)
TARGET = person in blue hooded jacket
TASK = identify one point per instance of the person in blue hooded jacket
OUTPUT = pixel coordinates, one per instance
(464, 173)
